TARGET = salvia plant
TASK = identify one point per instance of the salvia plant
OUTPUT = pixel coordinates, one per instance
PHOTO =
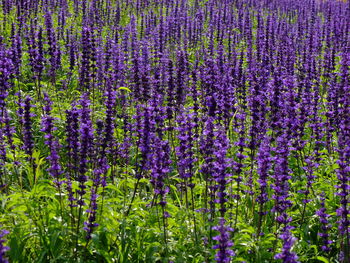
(175, 131)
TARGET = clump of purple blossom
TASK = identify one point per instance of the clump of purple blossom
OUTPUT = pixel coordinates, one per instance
(3, 249)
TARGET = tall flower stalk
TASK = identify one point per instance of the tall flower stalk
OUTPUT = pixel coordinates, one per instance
(221, 177)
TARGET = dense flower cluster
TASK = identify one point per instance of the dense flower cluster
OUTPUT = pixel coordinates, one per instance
(3, 248)
(323, 217)
(128, 117)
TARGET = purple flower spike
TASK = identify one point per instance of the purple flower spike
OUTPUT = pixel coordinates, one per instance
(286, 255)
(55, 168)
(224, 253)
(3, 248)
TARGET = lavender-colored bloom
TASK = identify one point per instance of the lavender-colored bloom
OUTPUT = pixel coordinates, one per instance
(238, 164)
(90, 224)
(263, 83)
(6, 73)
(325, 227)
(2, 158)
(99, 138)
(28, 139)
(220, 169)
(86, 146)
(195, 96)
(343, 187)
(71, 46)
(107, 144)
(281, 195)
(207, 168)
(73, 147)
(288, 240)
(9, 130)
(158, 115)
(309, 170)
(145, 130)
(206, 148)
(54, 51)
(48, 128)
(181, 77)
(88, 52)
(224, 253)
(221, 177)
(281, 177)
(36, 54)
(20, 110)
(145, 71)
(171, 93)
(118, 66)
(16, 50)
(264, 164)
(160, 167)
(185, 150)
(3, 248)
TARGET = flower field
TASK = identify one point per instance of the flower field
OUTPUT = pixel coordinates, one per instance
(175, 131)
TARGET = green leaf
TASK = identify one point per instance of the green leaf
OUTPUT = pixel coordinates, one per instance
(323, 259)
(124, 88)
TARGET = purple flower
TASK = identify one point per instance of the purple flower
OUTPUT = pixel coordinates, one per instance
(3, 248)
(264, 163)
(220, 169)
(36, 53)
(281, 197)
(145, 131)
(88, 58)
(9, 130)
(54, 50)
(73, 148)
(160, 167)
(90, 224)
(224, 253)
(107, 143)
(86, 146)
(323, 217)
(185, 150)
(6, 73)
(28, 139)
(47, 122)
(288, 240)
